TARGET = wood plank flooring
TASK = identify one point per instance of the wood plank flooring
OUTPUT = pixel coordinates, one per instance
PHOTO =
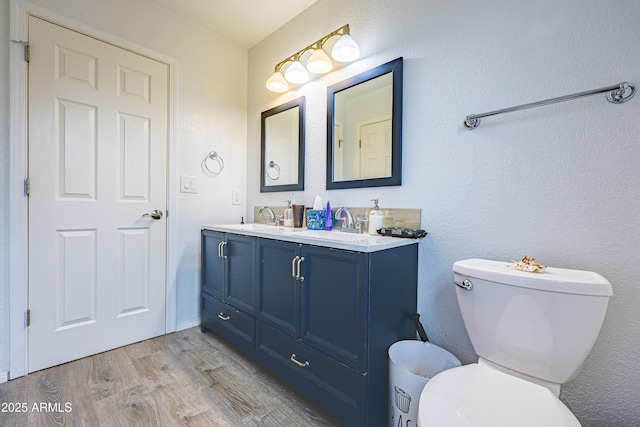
(182, 379)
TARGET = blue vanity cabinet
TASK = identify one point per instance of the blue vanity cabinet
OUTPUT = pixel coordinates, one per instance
(322, 319)
(228, 286)
(326, 318)
(228, 271)
(315, 294)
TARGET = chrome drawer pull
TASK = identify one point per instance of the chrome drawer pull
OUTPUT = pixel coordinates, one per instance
(223, 317)
(299, 277)
(293, 267)
(297, 362)
(223, 245)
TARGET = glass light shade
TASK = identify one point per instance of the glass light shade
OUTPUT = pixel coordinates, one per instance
(319, 62)
(277, 83)
(345, 49)
(296, 73)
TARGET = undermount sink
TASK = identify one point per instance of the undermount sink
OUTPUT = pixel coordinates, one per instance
(335, 236)
(251, 227)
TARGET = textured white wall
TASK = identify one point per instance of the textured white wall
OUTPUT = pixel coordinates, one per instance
(211, 115)
(557, 182)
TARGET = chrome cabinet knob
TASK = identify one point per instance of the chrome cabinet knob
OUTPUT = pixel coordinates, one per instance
(156, 214)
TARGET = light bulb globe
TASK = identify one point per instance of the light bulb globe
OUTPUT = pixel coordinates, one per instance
(345, 49)
(296, 73)
(277, 83)
(319, 62)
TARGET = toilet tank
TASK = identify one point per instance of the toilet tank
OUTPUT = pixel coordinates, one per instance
(539, 324)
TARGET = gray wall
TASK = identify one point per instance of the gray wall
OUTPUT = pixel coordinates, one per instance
(558, 183)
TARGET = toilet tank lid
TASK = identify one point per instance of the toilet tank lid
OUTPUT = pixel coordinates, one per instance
(562, 280)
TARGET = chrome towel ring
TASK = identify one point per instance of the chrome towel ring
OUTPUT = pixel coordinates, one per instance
(273, 171)
(220, 163)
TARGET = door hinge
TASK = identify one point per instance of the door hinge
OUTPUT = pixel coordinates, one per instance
(27, 49)
(27, 187)
(166, 213)
(360, 144)
(28, 317)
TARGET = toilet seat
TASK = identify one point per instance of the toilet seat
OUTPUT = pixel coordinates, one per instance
(480, 396)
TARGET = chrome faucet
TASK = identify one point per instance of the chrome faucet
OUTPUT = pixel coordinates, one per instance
(359, 222)
(272, 218)
(347, 220)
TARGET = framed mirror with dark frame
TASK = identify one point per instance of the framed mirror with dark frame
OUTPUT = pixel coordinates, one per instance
(282, 147)
(364, 129)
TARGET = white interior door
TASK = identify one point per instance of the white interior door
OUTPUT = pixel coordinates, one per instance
(97, 163)
(338, 152)
(375, 148)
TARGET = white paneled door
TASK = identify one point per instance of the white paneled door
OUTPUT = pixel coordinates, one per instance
(375, 148)
(97, 164)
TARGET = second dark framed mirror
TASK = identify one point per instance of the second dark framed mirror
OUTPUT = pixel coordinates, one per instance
(364, 129)
(282, 147)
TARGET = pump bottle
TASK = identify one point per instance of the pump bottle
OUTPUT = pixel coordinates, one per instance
(376, 218)
(288, 215)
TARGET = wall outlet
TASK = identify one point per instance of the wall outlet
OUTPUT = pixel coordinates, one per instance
(235, 197)
(188, 184)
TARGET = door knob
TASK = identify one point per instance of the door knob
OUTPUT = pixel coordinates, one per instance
(156, 214)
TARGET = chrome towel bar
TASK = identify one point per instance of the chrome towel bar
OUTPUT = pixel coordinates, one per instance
(616, 94)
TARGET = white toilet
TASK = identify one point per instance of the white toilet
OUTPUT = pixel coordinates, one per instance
(531, 331)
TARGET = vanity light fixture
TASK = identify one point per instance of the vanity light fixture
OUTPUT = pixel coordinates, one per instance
(345, 49)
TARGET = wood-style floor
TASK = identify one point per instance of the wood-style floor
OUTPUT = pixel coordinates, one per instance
(183, 379)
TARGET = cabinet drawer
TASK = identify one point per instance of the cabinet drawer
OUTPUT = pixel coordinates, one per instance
(234, 325)
(324, 380)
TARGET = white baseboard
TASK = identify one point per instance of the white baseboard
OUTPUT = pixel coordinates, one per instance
(188, 325)
(4, 377)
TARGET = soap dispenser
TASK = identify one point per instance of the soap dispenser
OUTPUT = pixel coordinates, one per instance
(376, 218)
(288, 214)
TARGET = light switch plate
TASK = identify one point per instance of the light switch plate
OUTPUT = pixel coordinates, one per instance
(235, 197)
(188, 184)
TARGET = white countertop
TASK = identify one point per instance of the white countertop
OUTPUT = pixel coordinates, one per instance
(330, 239)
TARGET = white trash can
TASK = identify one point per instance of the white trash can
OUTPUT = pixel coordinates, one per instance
(412, 364)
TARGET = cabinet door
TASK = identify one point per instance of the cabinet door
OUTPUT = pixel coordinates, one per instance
(212, 264)
(278, 291)
(334, 302)
(240, 271)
